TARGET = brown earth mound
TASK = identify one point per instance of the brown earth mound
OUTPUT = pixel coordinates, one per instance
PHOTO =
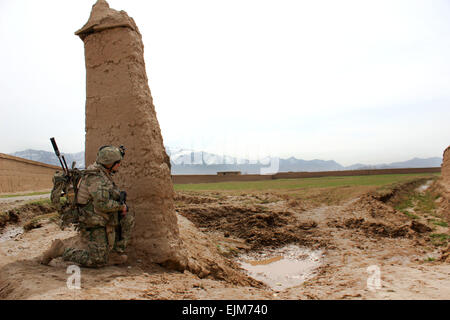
(445, 254)
(8, 217)
(24, 212)
(206, 259)
(375, 218)
(376, 228)
(374, 213)
(193, 199)
(259, 226)
(393, 195)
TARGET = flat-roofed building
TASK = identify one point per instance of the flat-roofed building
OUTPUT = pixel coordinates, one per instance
(228, 173)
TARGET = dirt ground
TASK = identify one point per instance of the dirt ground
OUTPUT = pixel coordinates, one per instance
(408, 249)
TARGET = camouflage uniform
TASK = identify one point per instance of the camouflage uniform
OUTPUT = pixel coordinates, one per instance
(98, 197)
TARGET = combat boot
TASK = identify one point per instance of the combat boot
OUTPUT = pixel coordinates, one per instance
(116, 259)
(56, 250)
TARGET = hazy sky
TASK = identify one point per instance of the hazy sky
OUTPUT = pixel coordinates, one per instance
(353, 81)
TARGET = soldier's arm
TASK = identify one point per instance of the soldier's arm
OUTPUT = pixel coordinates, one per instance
(101, 197)
(115, 193)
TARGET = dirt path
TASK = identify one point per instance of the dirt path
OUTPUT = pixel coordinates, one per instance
(362, 240)
(21, 199)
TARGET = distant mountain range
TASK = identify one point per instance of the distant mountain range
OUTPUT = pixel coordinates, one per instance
(50, 157)
(185, 161)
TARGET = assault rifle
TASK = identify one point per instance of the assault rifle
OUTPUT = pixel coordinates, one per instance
(122, 200)
(58, 155)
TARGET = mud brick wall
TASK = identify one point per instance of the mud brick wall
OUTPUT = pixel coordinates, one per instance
(183, 179)
(290, 175)
(192, 178)
(22, 175)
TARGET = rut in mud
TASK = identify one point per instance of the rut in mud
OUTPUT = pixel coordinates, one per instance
(259, 226)
(25, 212)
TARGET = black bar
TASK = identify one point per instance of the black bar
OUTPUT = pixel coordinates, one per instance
(228, 309)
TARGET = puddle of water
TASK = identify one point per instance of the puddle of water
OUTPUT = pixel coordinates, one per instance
(282, 268)
(10, 233)
(425, 186)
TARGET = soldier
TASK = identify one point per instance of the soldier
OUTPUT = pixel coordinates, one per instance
(105, 224)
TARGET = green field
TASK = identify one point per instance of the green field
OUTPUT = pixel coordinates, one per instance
(305, 183)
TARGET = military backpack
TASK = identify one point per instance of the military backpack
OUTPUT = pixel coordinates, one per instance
(64, 195)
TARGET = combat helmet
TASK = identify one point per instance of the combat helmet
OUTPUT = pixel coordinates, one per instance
(108, 155)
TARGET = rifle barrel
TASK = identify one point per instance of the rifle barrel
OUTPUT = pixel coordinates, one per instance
(67, 168)
(55, 147)
(58, 155)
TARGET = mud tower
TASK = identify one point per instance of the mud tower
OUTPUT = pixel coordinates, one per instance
(120, 111)
(445, 169)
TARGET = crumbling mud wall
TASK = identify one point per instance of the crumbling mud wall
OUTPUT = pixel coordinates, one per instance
(120, 111)
(443, 186)
(22, 175)
(445, 171)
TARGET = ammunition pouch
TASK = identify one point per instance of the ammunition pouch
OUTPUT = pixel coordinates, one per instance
(91, 219)
(69, 215)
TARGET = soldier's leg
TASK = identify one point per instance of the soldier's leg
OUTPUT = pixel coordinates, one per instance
(97, 252)
(127, 225)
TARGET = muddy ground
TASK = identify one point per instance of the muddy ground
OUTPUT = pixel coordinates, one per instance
(400, 233)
